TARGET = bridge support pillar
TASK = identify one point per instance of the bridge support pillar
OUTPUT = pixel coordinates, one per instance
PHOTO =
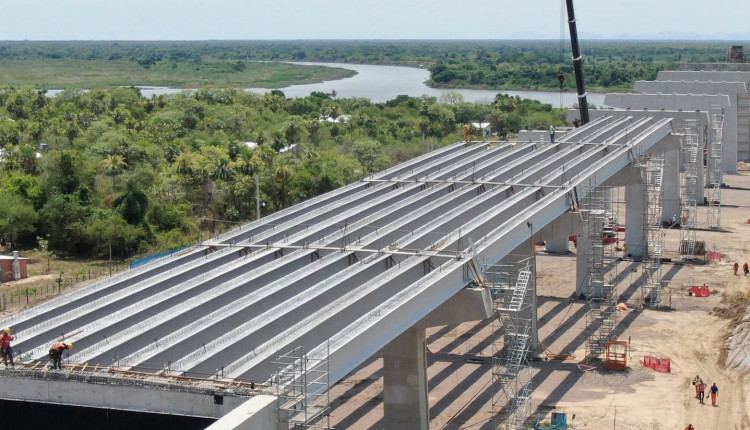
(405, 382)
(635, 218)
(671, 185)
(529, 309)
(558, 245)
(583, 249)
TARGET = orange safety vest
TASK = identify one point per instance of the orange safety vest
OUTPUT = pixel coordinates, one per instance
(59, 347)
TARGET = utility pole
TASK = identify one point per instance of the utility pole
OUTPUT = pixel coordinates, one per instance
(257, 198)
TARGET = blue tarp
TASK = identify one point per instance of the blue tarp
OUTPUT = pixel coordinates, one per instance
(144, 260)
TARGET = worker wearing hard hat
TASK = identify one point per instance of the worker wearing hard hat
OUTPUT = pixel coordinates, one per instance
(55, 353)
(5, 350)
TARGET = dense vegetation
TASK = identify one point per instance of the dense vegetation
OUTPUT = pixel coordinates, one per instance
(92, 172)
(608, 65)
(84, 173)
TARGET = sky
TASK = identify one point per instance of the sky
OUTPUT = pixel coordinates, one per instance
(367, 19)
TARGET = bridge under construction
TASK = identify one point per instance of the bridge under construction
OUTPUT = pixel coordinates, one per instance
(283, 307)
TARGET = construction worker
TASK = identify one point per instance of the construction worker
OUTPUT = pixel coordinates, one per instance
(55, 353)
(689, 427)
(696, 381)
(552, 134)
(714, 394)
(5, 350)
(701, 391)
(467, 131)
(736, 267)
(745, 268)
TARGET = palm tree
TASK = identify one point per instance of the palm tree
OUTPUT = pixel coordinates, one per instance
(222, 170)
(283, 174)
(113, 165)
(292, 131)
(132, 203)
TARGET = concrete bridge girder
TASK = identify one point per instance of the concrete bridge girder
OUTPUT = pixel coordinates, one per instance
(498, 218)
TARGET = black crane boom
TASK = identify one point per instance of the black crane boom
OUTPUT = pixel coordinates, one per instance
(583, 106)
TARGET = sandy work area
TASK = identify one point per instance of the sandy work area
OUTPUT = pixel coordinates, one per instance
(691, 334)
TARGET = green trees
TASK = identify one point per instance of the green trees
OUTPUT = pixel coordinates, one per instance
(195, 157)
(17, 218)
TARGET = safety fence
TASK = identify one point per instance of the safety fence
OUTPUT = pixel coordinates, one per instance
(663, 365)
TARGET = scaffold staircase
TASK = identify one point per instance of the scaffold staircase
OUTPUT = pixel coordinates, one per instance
(688, 203)
(511, 372)
(653, 170)
(302, 385)
(714, 168)
(601, 227)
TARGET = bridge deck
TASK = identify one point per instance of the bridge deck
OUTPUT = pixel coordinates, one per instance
(340, 274)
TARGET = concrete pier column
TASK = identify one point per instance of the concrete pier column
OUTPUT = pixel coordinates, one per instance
(635, 218)
(671, 186)
(583, 250)
(558, 245)
(701, 182)
(405, 382)
(529, 309)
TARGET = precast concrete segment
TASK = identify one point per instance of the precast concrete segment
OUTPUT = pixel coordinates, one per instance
(705, 102)
(92, 312)
(107, 393)
(270, 221)
(258, 413)
(737, 92)
(161, 341)
(407, 217)
(330, 305)
(372, 331)
(222, 300)
(364, 197)
(64, 303)
(602, 134)
(542, 166)
(128, 300)
(522, 199)
(263, 322)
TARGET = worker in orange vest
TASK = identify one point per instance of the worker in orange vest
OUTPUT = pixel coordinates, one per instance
(736, 267)
(467, 130)
(689, 427)
(5, 350)
(55, 353)
(714, 394)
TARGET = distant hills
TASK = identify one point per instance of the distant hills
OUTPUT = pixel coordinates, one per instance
(745, 36)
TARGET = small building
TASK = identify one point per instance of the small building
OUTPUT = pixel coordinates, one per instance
(6, 265)
(484, 127)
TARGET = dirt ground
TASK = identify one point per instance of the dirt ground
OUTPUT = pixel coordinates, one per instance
(691, 333)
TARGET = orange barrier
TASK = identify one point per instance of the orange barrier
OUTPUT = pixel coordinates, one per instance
(663, 365)
(699, 291)
(713, 256)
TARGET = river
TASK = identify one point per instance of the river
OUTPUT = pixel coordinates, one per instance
(383, 83)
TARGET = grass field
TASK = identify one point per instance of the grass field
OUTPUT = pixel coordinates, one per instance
(72, 73)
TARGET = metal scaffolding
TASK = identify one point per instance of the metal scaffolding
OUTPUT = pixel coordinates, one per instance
(689, 189)
(302, 388)
(600, 223)
(653, 169)
(512, 290)
(714, 167)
